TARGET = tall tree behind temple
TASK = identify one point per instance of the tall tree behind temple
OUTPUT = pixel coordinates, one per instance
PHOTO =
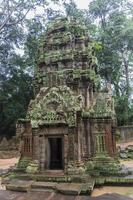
(110, 26)
(115, 33)
(15, 69)
(15, 83)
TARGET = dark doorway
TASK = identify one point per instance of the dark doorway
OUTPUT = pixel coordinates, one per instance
(56, 161)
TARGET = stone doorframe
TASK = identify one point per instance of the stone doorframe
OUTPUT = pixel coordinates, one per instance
(48, 150)
(52, 132)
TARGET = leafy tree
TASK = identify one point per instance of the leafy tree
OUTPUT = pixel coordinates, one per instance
(72, 11)
(115, 56)
(13, 12)
(16, 69)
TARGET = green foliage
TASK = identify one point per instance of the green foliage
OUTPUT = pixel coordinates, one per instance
(23, 163)
(12, 175)
(15, 83)
(33, 167)
(18, 49)
(103, 165)
(114, 32)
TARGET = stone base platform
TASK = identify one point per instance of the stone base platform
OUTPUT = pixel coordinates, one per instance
(60, 183)
(115, 181)
(64, 188)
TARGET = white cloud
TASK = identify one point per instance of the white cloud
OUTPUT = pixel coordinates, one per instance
(82, 4)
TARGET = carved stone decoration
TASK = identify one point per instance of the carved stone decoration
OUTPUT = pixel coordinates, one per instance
(104, 106)
(57, 105)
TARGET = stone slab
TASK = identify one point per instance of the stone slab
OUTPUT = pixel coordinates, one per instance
(69, 188)
(87, 188)
(44, 185)
(19, 185)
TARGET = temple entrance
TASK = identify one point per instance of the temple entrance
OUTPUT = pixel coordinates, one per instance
(56, 153)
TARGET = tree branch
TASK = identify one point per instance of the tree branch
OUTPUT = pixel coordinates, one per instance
(10, 14)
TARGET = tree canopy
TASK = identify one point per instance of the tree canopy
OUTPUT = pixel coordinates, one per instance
(110, 24)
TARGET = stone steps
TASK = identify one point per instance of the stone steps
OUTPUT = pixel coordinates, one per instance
(64, 188)
(68, 188)
(41, 190)
(43, 177)
(43, 185)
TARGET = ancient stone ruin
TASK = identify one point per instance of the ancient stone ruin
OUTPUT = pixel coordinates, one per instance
(70, 123)
(9, 148)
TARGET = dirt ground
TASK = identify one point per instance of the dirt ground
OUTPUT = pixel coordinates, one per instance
(8, 195)
(7, 163)
(127, 163)
(127, 191)
(125, 144)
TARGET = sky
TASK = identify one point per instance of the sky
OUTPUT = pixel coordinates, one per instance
(81, 4)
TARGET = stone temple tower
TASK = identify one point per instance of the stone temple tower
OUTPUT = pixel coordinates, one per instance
(69, 121)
